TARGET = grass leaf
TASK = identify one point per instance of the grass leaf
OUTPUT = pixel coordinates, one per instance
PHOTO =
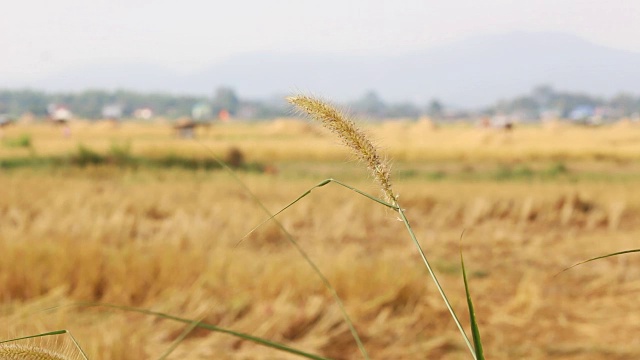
(195, 323)
(477, 343)
(319, 185)
(600, 257)
(432, 273)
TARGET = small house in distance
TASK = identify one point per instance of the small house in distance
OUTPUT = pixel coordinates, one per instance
(185, 128)
(5, 120)
(201, 116)
(59, 114)
(585, 115)
(112, 112)
(201, 112)
(144, 113)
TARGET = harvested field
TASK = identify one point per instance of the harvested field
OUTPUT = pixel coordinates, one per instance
(531, 203)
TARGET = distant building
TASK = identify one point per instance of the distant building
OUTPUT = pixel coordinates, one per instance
(112, 111)
(185, 128)
(144, 113)
(550, 114)
(224, 115)
(201, 111)
(5, 120)
(59, 113)
(247, 111)
(585, 114)
(502, 121)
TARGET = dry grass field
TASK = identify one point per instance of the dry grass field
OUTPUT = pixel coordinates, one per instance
(530, 202)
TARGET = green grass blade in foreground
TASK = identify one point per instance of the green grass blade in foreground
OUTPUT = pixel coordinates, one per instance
(213, 328)
(477, 343)
(51, 333)
(432, 273)
(600, 257)
(308, 192)
(298, 248)
(411, 233)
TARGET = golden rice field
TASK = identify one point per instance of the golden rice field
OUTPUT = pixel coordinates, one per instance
(531, 202)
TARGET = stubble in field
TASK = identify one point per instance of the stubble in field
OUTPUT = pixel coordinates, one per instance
(166, 240)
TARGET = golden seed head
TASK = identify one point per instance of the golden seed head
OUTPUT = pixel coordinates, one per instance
(23, 352)
(334, 120)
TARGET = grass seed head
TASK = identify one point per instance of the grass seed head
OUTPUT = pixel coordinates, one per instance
(29, 352)
(334, 120)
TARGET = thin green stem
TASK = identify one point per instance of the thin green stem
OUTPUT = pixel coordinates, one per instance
(411, 233)
(50, 333)
(435, 279)
(475, 330)
(320, 184)
(598, 258)
(255, 339)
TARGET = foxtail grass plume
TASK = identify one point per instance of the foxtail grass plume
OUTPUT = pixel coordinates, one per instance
(334, 120)
(29, 352)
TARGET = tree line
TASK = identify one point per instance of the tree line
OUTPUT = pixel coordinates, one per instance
(90, 104)
(544, 99)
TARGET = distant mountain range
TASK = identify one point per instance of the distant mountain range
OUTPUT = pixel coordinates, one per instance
(470, 73)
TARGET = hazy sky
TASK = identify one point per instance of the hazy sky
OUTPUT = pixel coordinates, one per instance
(38, 37)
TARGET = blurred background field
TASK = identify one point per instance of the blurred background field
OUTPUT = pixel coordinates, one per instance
(288, 139)
(100, 214)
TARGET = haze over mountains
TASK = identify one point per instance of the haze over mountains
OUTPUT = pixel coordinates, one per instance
(469, 73)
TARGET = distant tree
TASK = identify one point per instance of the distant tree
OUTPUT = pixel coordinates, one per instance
(370, 104)
(225, 98)
(19, 102)
(544, 98)
(626, 104)
(402, 110)
(435, 108)
(543, 95)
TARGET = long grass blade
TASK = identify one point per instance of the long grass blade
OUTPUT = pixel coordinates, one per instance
(413, 237)
(426, 263)
(475, 331)
(254, 339)
(50, 333)
(308, 192)
(600, 257)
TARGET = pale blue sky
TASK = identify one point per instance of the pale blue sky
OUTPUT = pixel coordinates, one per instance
(38, 37)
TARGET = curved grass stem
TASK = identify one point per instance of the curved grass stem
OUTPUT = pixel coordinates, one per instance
(411, 234)
(192, 324)
(599, 257)
(319, 185)
(404, 219)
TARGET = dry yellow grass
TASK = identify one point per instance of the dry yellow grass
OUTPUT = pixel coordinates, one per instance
(287, 140)
(165, 240)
